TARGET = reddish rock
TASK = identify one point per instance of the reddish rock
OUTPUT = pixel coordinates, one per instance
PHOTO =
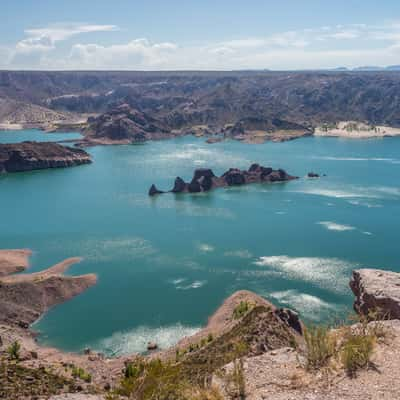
(27, 156)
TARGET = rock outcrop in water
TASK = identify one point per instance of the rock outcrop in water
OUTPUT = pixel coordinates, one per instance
(204, 179)
(27, 156)
(376, 291)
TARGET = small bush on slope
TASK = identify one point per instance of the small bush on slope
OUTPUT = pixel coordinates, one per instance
(320, 346)
(356, 351)
(241, 309)
(14, 350)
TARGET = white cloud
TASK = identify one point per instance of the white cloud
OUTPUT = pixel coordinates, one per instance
(139, 53)
(321, 47)
(44, 39)
(345, 34)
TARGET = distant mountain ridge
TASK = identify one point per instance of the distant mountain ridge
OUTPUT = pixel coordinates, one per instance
(215, 101)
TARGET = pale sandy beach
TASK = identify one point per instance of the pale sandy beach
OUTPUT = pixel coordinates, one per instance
(357, 130)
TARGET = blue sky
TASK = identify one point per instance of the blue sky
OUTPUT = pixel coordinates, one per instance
(219, 34)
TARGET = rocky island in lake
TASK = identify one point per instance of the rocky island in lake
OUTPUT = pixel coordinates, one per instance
(204, 179)
(27, 156)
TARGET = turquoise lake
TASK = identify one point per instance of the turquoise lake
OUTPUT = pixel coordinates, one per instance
(165, 264)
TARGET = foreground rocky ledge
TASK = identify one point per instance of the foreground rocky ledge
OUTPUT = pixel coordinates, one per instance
(245, 331)
(204, 179)
(27, 156)
(376, 291)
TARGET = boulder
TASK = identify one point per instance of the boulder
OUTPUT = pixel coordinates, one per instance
(194, 187)
(312, 175)
(152, 346)
(278, 176)
(254, 167)
(206, 183)
(179, 185)
(234, 177)
(377, 292)
(154, 191)
(290, 318)
(203, 172)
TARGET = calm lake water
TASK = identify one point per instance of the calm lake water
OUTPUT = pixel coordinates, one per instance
(165, 264)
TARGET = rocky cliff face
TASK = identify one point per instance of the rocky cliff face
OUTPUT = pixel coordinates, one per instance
(376, 291)
(123, 124)
(27, 156)
(204, 179)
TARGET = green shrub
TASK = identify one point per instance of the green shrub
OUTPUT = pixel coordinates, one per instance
(356, 351)
(131, 370)
(210, 337)
(81, 374)
(14, 350)
(241, 309)
(152, 380)
(320, 346)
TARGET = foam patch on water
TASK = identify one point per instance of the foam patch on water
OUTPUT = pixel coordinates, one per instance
(364, 204)
(306, 304)
(178, 281)
(367, 233)
(101, 250)
(186, 207)
(199, 155)
(239, 254)
(381, 159)
(353, 192)
(135, 340)
(193, 285)
(333, 226)
(205, 247)
(329, 273)
(337, 193)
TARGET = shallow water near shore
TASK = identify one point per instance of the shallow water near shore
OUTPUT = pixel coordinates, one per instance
(165, 264)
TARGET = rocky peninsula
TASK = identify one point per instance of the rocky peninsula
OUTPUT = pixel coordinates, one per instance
(205, 180)
(27, 156)
(25, 297)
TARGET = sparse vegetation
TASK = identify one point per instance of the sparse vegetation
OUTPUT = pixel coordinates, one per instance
(241, 309)
(351, 345)
(320, 346)
(356, 351)
(14, 351)
(80, 373)
(160, 380)
(17, 382)
(235, 380)
(152, 379)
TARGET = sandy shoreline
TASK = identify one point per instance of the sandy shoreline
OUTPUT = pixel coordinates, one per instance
(356, 130)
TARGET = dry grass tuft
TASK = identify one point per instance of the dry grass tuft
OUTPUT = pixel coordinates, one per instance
(320, 347)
